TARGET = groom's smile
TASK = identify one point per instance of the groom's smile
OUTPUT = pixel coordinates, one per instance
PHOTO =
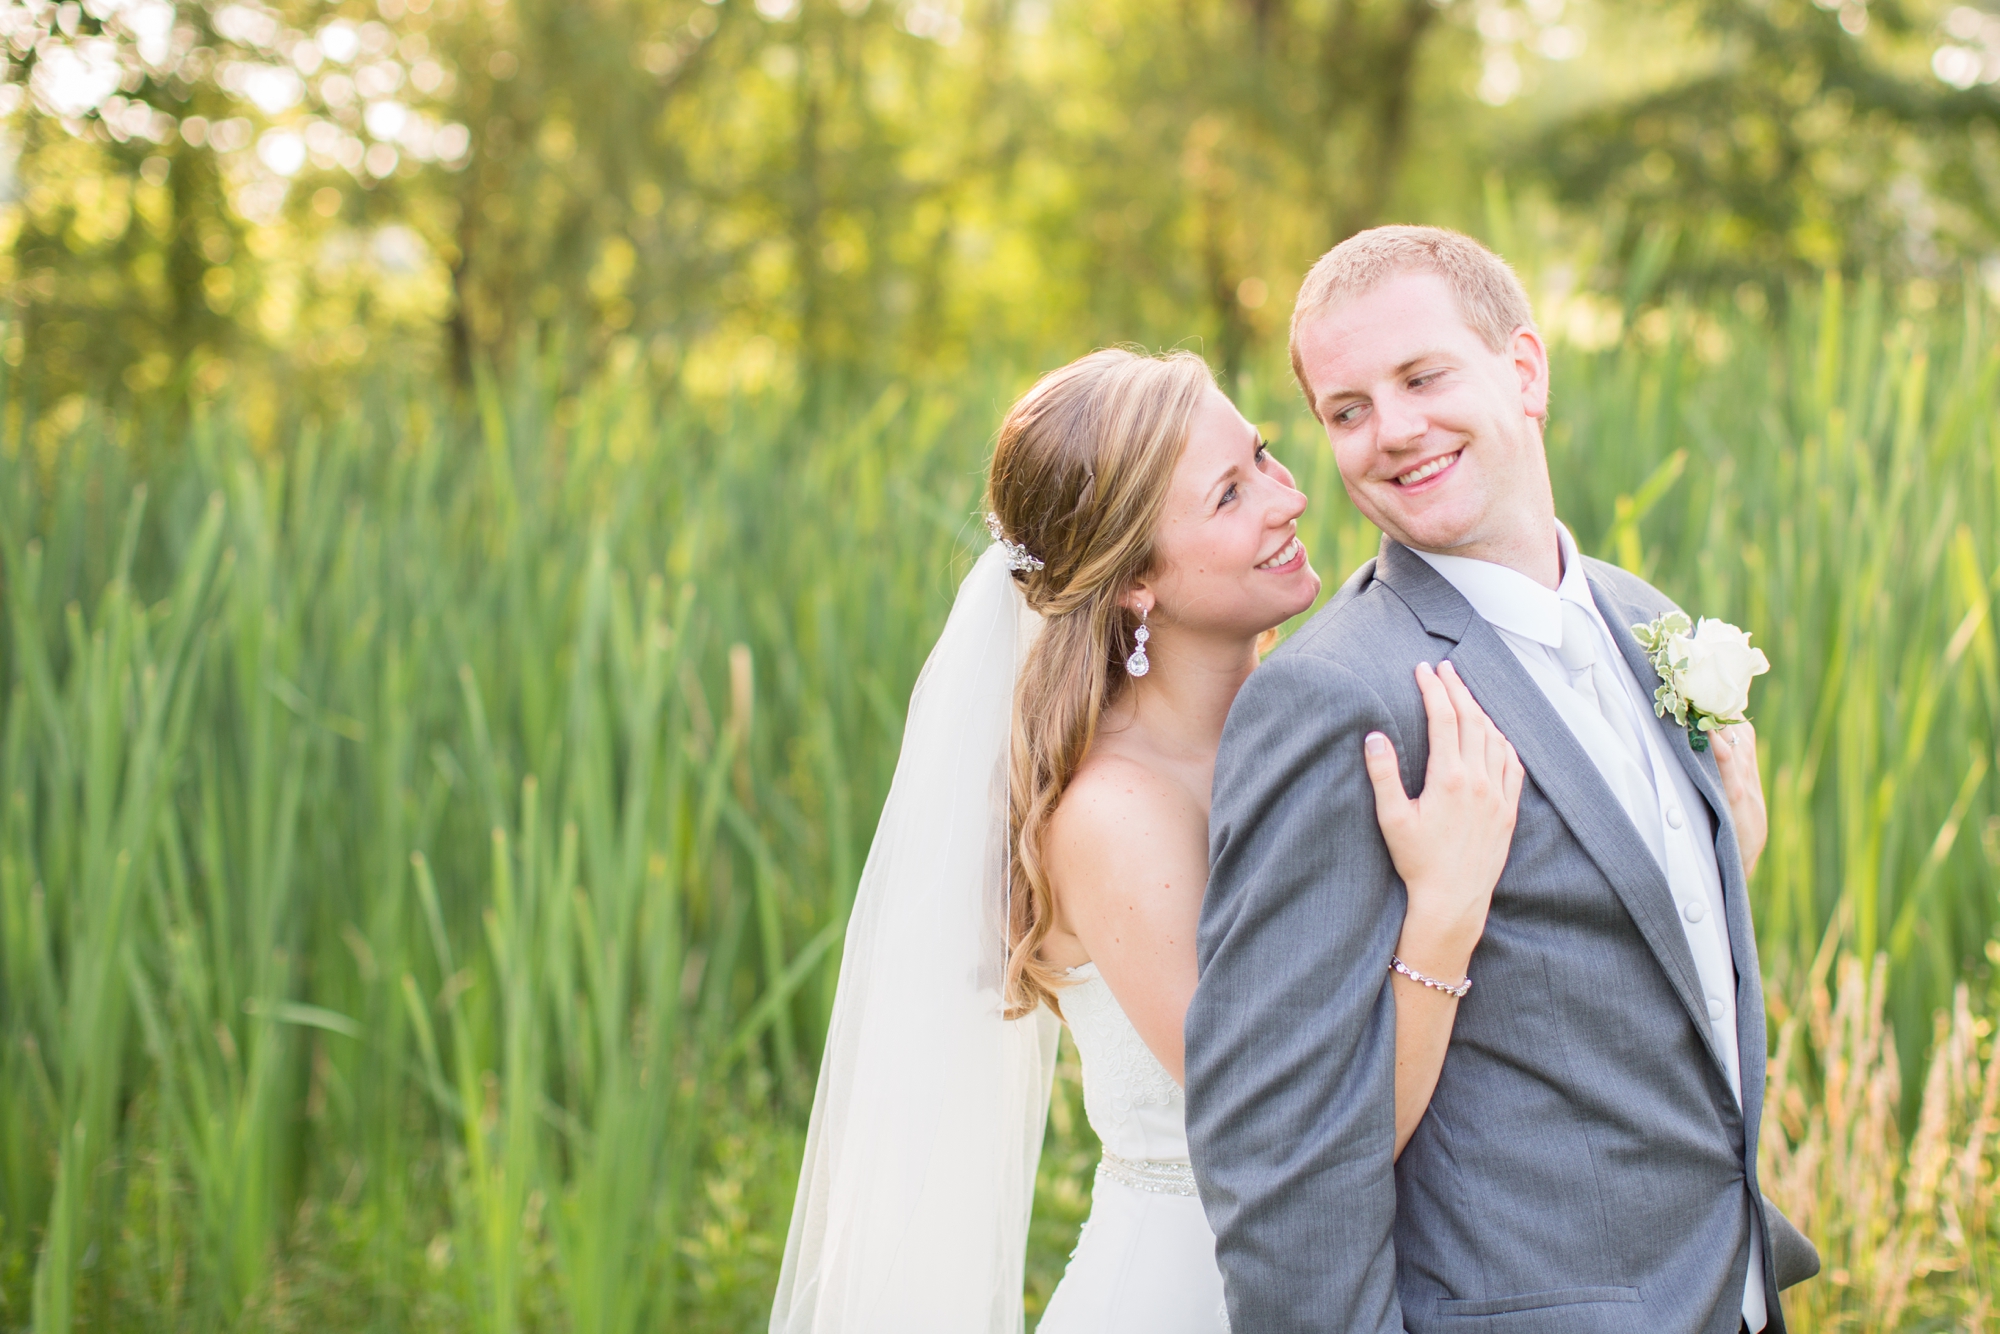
(1424, 472)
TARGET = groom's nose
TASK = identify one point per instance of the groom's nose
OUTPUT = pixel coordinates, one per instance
(1400, 423)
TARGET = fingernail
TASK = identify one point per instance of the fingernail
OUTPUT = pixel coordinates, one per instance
(1446, 666)
(1376, 743)
(1423, 667)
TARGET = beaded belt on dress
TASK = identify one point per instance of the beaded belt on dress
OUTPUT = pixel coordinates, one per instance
(1160, 1176)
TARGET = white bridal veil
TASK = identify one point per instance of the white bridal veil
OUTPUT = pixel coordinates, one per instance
(912, 1212)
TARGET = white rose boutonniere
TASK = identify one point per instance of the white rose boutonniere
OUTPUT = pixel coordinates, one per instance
(1704, 676)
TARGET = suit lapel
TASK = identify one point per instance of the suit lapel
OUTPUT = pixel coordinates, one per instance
(1557, 764)
(1707, 778)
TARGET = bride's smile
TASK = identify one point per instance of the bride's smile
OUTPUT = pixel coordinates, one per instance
(1285, 561)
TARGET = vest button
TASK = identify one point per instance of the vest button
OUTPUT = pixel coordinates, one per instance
(1695, 910)
(1715, 1009)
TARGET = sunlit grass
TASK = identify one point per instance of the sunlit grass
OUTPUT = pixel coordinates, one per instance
(424, 839)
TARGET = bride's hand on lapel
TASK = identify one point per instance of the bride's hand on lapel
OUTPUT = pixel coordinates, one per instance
(1736, 757)
(1449, 842)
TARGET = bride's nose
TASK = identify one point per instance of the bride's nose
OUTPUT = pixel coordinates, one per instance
(1287, 505)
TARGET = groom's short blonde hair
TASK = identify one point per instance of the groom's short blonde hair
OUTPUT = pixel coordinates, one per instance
(1489, 296)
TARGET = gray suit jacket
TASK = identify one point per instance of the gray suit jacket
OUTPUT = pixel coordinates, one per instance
(1583, 1165)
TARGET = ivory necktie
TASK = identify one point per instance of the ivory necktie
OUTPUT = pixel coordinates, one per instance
(1591, 678)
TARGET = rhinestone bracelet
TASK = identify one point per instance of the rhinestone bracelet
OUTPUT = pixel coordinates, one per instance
(1455, 992)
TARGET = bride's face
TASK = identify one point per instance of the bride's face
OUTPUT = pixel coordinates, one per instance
(1228, 560)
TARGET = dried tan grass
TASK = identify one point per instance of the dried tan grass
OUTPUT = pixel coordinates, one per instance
(1906, 1233)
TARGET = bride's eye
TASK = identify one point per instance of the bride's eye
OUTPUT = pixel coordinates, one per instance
(1227, 496)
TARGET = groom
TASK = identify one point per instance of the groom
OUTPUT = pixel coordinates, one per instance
(1589, 1158)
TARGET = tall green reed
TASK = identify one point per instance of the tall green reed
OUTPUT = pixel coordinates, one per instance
(438, 819)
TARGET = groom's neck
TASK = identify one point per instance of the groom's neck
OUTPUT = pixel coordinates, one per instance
(1533, 550)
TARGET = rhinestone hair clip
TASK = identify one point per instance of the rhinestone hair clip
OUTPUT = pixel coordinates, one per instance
(1019, 558)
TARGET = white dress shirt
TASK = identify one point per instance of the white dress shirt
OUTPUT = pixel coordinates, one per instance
(1662, 801)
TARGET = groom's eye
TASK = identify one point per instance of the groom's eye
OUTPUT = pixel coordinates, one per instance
(1346, 416)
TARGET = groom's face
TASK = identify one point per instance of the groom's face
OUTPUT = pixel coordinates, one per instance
(1438, 437)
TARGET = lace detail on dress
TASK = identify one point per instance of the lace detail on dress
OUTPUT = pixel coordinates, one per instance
(1121, 1074)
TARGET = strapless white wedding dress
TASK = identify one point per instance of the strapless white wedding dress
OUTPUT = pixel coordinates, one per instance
(1145, 1263)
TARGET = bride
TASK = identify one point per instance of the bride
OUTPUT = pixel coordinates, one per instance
(1041, 859)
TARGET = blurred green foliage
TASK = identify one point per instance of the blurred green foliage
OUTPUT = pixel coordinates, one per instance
(1798, 134)
(823, 193)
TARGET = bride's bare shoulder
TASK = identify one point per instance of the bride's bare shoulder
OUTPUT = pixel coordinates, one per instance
(1119, 810)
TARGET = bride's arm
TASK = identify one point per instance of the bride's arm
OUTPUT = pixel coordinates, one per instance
(1449, 845)
(1128, 858)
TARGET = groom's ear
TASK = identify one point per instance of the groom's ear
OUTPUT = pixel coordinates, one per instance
(1531, 363)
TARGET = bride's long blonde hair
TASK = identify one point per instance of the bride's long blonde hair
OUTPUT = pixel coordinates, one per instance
(1079, 477)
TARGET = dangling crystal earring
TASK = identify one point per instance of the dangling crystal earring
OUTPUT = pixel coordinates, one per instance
(1137, 664)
